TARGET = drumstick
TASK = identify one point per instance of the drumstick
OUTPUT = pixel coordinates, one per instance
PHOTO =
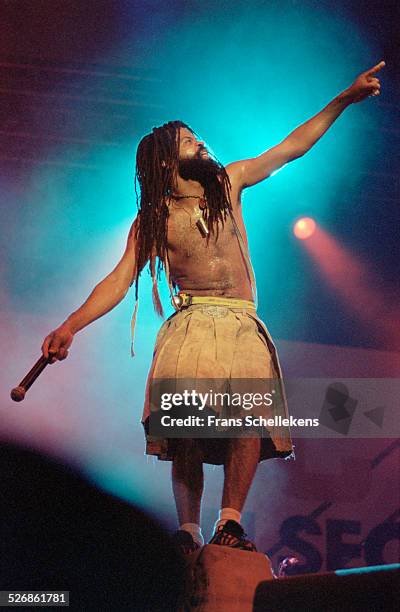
(18, 393)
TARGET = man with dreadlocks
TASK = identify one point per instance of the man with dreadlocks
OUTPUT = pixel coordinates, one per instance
(190, 224)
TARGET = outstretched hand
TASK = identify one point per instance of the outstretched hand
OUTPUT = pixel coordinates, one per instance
(366, 84)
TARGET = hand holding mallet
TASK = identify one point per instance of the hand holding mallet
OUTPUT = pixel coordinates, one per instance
(54, 348)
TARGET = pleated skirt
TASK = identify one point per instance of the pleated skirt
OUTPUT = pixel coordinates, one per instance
(215, 342)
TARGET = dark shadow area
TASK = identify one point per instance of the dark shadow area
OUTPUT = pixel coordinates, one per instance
(377, 591)
(61, 533)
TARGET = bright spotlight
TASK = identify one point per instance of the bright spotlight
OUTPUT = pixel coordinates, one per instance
(304, 228)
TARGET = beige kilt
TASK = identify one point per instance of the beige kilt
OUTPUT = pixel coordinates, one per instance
(215, 342)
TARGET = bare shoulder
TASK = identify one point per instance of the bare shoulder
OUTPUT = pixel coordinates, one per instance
(235, 173)
(132, 238)
(134, 229)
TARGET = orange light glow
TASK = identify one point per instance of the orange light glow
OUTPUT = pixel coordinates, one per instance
(356, 284)
(304, 228)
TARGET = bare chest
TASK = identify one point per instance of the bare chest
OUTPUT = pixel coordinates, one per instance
(186, 235)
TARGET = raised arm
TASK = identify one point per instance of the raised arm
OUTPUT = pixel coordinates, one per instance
(251, 171)
(105, 296)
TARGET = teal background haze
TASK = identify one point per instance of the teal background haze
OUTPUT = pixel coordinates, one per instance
(243, 75)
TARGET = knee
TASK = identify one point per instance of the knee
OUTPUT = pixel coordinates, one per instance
(244, 447)
(245, 443)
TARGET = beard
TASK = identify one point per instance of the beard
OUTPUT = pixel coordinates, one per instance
(203, 170)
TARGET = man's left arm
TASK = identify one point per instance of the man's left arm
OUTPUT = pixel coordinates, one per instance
(251, 171)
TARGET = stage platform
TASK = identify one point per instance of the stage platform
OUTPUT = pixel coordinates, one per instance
(221, 579)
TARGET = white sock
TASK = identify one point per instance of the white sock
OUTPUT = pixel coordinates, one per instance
(227, 514)
(195, 532)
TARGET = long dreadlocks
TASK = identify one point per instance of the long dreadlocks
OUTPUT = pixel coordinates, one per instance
(157, 162)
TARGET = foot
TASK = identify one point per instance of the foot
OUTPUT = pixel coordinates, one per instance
(185, 542)
(232, 534)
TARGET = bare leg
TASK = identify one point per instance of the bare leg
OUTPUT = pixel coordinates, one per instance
(188, 481)
(240, 468)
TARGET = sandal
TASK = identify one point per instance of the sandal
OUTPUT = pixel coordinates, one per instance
(232, 534)
(185, 542)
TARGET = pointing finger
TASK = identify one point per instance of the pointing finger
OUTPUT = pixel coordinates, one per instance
(376, 68)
